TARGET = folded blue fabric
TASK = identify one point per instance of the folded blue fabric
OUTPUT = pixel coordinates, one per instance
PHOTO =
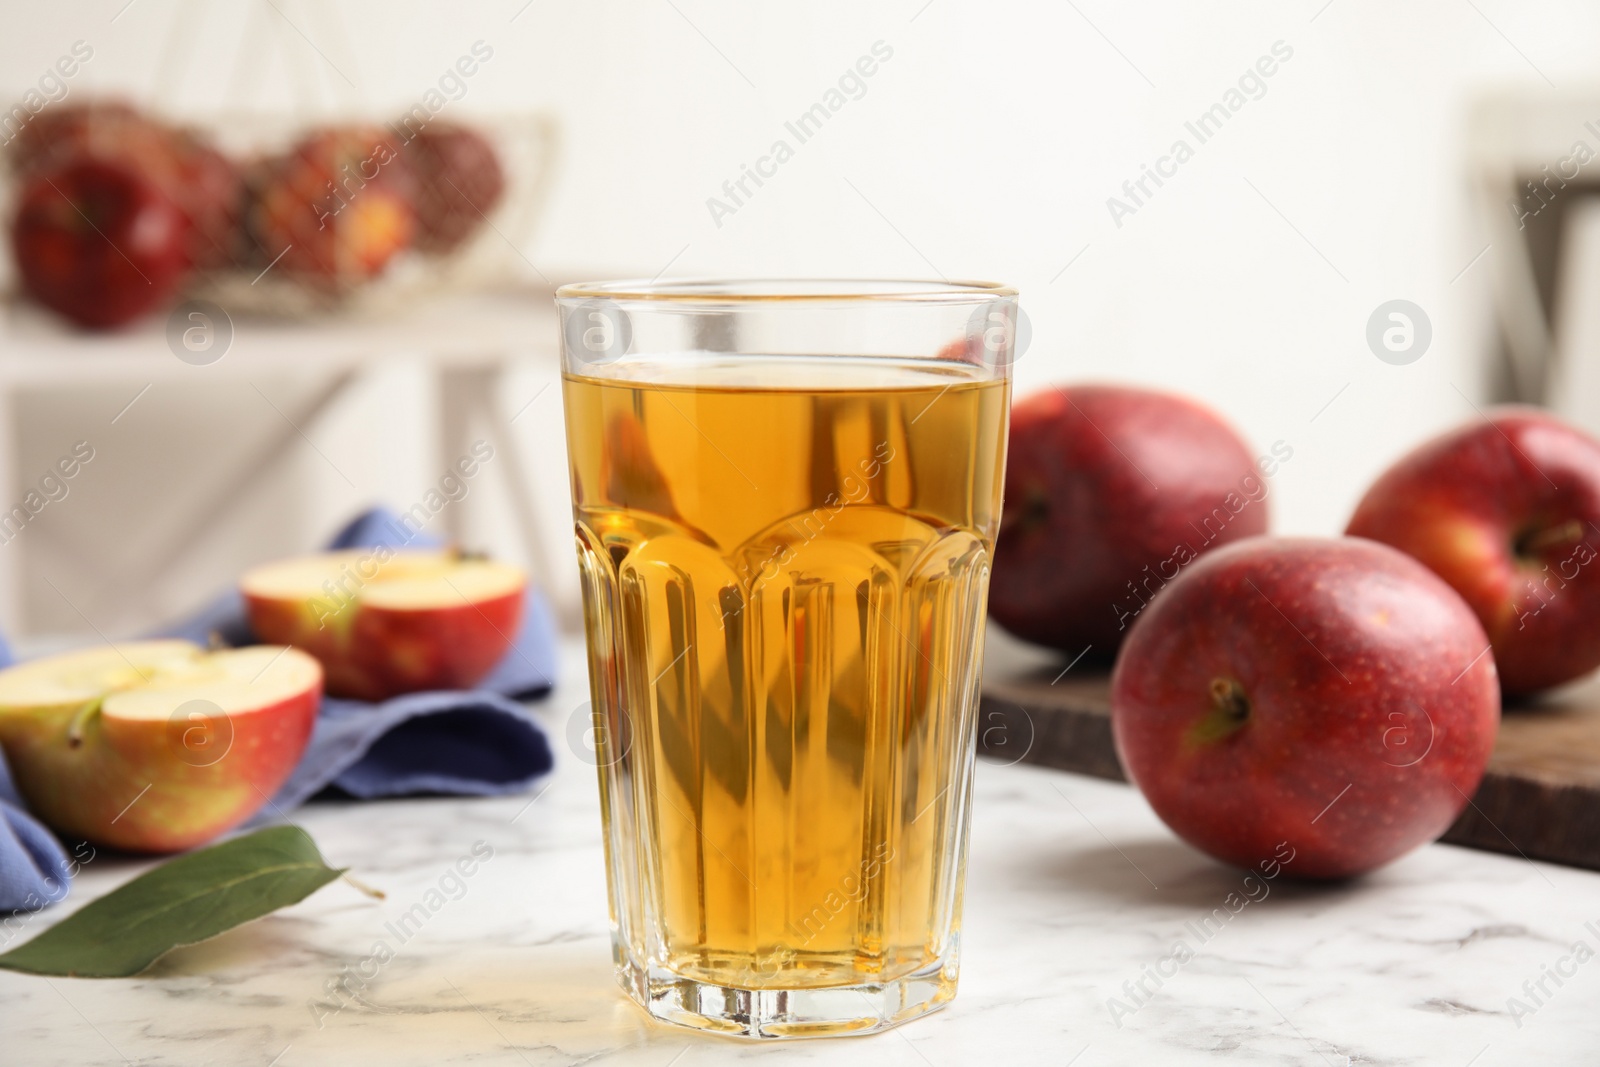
(34, 869)
(477, 743)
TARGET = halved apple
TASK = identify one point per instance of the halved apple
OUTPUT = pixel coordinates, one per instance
(385, 622)
(156, 746)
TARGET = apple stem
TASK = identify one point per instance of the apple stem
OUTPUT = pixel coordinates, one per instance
(1228, 699)
(1230, 710)
(1034, 510)
(377, 894)
(80, 719)
(1536, 541)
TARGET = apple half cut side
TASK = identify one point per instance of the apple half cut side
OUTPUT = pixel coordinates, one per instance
(384, 622)
(156, 746)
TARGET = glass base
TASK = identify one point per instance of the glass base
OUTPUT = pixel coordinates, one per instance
(829, 1011)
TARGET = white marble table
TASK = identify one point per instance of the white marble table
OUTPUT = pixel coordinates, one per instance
(1074, 889)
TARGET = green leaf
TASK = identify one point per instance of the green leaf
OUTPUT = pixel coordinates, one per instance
(181, 902)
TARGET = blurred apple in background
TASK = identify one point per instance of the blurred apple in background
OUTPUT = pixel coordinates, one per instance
(337, 208)
(99, 242)
(384, 623)
(210, 190)
(103, 129)
(155, 746)
(1505, 511)
(199, 180)
(1109, 492)
(459, 182)
(1327, 694)
(330, 215)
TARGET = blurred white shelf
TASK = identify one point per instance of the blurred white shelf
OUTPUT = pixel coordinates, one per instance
(468, 342)
(476, 330)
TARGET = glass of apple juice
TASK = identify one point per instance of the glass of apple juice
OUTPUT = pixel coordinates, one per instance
(785, 498)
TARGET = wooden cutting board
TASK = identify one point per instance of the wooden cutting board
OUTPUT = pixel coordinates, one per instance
(1540, 797)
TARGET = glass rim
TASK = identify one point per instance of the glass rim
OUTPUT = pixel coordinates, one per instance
(787, 291)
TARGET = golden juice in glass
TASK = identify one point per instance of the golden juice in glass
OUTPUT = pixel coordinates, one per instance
(785, 562)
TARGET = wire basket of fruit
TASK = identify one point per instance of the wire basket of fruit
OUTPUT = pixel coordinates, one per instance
(115, 213)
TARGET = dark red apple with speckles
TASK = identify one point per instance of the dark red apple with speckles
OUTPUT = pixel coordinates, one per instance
(99, 243)
(1110, 491)
(1325, 698)
(1507, 510)
(459, 184)
(201, 182)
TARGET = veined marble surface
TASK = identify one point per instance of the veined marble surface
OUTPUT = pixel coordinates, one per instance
(1074, 888)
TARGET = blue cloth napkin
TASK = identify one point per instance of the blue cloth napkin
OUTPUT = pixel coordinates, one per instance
(34, 869)
(477, 743)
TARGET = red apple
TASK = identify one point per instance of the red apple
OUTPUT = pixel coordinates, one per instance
(459, 182)
(337, 208)
(104, 129)
(1505, 510)
(200, 181)
(386, 622)
(99, 243)
(1320, 698)
(210, 193)
(155, 746)
(1109, 492)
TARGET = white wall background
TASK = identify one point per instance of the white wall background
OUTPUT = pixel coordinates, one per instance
(986, 147)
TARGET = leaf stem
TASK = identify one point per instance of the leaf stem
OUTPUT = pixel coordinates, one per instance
(376, 894)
